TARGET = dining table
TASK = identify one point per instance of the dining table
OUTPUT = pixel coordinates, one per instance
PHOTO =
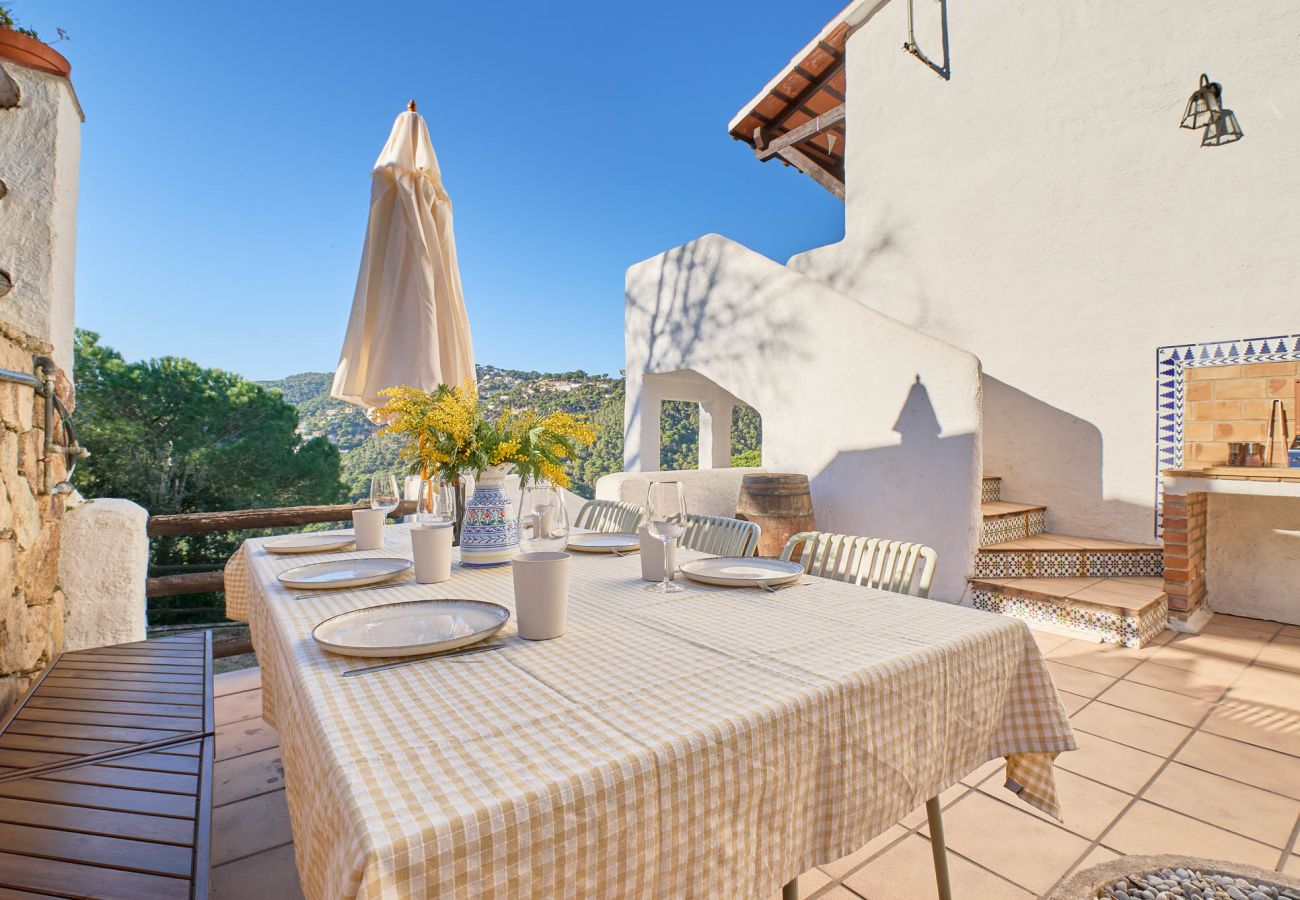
(715, 742)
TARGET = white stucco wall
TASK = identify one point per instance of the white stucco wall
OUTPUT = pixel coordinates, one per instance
(103, 563)
(1044, 210)
(709, 492)
(1252, 557)
(883, 419)
(39, 159)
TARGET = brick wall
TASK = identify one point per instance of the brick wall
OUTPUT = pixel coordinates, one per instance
(31, 604)
(1184, 534)
(1231, 403)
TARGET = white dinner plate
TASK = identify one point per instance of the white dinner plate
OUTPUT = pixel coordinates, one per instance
(342, 573)
(604, 542)
(309, 543)
(741, 571)
(410, 628)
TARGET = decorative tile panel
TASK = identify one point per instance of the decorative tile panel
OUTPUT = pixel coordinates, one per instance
(990, 489)
(1127, 630)
(1171, 364)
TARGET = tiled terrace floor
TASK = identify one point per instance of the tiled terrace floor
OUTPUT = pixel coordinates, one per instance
(1191, 744)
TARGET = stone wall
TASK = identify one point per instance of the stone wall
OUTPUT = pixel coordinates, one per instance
(31, 604)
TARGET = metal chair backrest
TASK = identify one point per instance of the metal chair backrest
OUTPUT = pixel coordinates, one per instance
(610, 515)
(720, 535)
(872, 562)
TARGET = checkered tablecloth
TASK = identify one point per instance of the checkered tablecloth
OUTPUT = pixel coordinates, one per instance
(714, 743)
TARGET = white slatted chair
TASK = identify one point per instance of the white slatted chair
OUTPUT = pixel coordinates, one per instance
(720, 536)
(872, 562)
(891, 566)
(610, 515)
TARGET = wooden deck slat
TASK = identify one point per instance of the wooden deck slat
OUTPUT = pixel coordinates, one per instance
(94, 732)
(145, 687)
(250, 826)
(247, 776)
(247, 736)
(273, 871)
(141, 668)
(97, 797)
(135, 779)
(131, 659)
(139, 674)
(117, 693)
(47, 744)
(98, 849)
(117, 706)
(112, 719)
(137, 826)
(81, 881)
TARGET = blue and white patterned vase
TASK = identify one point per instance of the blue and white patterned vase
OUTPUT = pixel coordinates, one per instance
(489, 535)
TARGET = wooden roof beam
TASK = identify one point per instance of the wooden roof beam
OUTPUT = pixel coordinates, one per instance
(813, 127)
(806, 165)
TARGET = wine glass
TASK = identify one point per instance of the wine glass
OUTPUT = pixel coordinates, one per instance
(543, 519)
(666, 514)
(436, 503)
(384, 493)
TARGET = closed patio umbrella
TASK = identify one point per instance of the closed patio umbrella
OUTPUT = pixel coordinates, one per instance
(408, 324)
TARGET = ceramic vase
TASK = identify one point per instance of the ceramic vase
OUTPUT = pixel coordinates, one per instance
(489, 534)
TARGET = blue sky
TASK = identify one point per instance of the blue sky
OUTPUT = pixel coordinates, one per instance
(226, 158)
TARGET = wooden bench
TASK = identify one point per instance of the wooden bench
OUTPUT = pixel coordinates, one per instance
(106, 774)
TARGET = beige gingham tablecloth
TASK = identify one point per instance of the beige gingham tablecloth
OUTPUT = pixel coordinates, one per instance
(713, 743)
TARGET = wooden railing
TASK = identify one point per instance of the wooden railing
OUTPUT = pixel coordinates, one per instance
(202, 579)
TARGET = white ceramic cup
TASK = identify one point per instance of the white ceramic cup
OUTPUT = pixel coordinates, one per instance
(653, 554)
(431, 549)
(541, 593)
(369, 527)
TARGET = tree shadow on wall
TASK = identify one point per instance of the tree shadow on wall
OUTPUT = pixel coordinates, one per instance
(699, 299)
(922, 489)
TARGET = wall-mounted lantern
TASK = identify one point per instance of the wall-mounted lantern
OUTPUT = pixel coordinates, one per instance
(1205, 110)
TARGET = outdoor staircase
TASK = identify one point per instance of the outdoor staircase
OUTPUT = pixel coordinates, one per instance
(1092, 588)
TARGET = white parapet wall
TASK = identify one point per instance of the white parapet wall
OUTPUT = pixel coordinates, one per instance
(103, 563)
(882, 418)
(709, 492)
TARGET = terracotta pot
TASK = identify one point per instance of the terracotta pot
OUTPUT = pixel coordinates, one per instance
(30, 52)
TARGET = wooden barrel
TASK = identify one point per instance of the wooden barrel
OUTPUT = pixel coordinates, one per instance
(781, 505)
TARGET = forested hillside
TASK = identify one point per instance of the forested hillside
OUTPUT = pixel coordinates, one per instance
(598, 397)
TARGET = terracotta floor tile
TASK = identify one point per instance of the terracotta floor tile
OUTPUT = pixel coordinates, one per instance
(1147, 829)
(1154, 702)
(847, 864)
(1199, 661)
(1267, 678)
(1180, 681)
(917, 816)
(1093, 657)
(1259, 766)
(1132, 728)
(1223, 624)
(1237, 647)
(1072, 702)
(1098, 856)
(906, 872)
(1292, 866)
(1252, 722)
(1110, 763)
(1087, 807)
(838, 892)
(1281, 653)
(1078, 681)
(810, 882)
(1256, 813)
(1047, 640)
(1290, 631)
(1011, 842)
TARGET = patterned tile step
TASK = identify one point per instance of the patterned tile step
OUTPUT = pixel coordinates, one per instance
(1049, 555)
(991, 488)
(1126, 611)
(1004, 521)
